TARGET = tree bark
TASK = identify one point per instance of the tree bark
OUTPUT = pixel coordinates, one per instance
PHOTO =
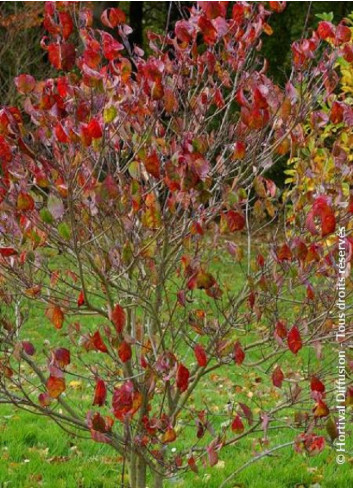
(157, 480)
(132, 470)
(137, 471)
(140, 472)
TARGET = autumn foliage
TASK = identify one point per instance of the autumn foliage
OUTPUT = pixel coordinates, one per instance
(134, 193)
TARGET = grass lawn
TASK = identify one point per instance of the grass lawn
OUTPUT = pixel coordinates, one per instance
(36, 453)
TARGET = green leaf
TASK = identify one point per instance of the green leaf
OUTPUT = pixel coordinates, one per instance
(109, 114)
(135, 170)
(327, 16)
(64, 231)
(46, 216)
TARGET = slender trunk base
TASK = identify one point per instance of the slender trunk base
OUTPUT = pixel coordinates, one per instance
(140, 472)
(137, 471)
(157, 480)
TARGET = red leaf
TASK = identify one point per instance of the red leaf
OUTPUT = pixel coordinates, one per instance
(238, 12)
(98, 343)
(62, 56)
(200, 355)
(44, 399)
(348, 53)
(81, 299)
(326, 30)
(118, 318)
(181, 298)
(55, 386)
(184, 31)
(277, 377)
(25, 202)
(111, 47)
(170, 101)
(284, 253)
(294, 340)
(208, 30)
(247, 413)
(281, 330)
(55, 316)
(7, 252)
(316, 445)
(60, 134)
(192, 465)
(343, 33)
(182, 378)
(100, 393)
(239, 354)
(214, 9)
(94, 129)
(201, 280)
(239, 150)
(237, 425)
(152, 165)
(28, 348)
(62, 357)
(199, 166)
(5, 150)
(336, 114)
(316, 384)
(112, 17)
(126, 401)
(212, 455)
(25, 83)
(321, 410)
(235, 221)
(124, 351)
(66, 24)
(310, 294)
(277, 6)
(322, 210)
(100, 427)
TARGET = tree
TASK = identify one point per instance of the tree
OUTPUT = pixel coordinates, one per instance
(125, 182)
(20, 34)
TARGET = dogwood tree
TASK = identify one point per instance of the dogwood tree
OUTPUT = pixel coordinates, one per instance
(137, 214)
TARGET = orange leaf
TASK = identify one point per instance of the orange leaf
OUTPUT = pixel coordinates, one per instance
(169, 436)
(55, 316)
(55, 386)
(25, 202)
(321, 410)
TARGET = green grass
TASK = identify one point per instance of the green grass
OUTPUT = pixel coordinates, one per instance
(34, 452)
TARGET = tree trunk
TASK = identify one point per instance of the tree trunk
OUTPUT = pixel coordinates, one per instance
(132, 470)
(137, 471)
(140, 472)
(157, 480)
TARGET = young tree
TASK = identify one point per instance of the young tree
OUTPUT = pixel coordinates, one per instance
(134, 194)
